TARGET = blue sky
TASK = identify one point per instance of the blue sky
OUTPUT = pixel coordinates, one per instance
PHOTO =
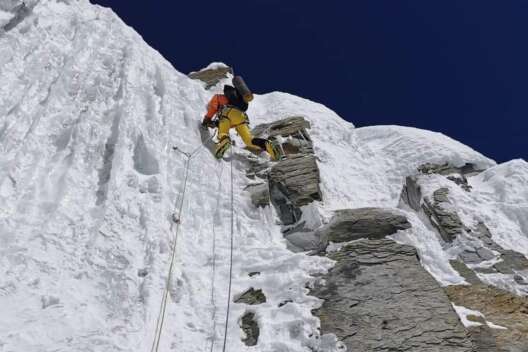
(456, 67)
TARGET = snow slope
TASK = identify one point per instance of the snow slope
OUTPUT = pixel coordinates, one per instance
(89, 183)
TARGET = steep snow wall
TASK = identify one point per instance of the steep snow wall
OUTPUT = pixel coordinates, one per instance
(89, 182)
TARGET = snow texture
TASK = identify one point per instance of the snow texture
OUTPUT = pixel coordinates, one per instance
(89, 184)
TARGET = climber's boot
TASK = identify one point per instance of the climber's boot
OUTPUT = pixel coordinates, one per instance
(273, 151)
(222, 146)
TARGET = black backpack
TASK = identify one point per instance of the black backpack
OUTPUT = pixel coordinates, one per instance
(235, 98)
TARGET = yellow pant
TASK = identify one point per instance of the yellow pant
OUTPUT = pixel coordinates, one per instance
(234, 118)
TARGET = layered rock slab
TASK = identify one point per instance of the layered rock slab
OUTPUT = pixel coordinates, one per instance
(379, 298)
(499, 307)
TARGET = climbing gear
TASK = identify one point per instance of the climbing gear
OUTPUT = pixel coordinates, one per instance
(242, 89)
(273, 151)
(230, 259)
(234, 98)
(222, 146)
(217, 102)
(213, 274)
(176, 215)
(209, 123)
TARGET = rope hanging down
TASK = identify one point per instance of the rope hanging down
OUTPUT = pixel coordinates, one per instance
(161, 317)
(213, 279)
(231, 257)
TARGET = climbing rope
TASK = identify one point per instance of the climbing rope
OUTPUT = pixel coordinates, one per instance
(161, 316)
(213, 279)
(230, 259)
(163, 307)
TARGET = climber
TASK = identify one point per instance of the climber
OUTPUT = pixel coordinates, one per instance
(230, 111)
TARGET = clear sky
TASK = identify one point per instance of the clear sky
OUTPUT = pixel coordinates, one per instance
(452, 66)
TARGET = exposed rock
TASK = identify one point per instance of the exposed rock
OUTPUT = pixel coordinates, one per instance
(483, 233)
(21, 11)
(252, 297)
(211, 76)
(288, 213)
(483, 339)
(446, 169)
(352, 224)
(251, 329)
(510, 262)
(300, 177)
(379, 298)
(282, 304)
(302, 241)
(294, 182)
(462, 181)
(412, 193)
(442, 215)
(468, 274)
(470, 257)
(499, 307)
(290, 126)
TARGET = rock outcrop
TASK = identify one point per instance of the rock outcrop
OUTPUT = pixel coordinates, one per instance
(500, 308)
(353, 224)
(379, 298)
(292, 182)
(442, 215)
(212, 76)
(251, 297)
(250, 327)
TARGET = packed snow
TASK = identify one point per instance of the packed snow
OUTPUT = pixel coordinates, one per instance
(90, 183)
(464, 314)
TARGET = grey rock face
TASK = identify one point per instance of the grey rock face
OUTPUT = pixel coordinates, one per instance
(412, 194)
(447, 169)
(511, 261)
(251, 329)
(352, 224)
(464, 271)
(252, 297)
(299, 175)
(294, 181)
(290, 126)
(20, 11)
(483, 339)
(442, 216)
(379, 298)
(211, 77)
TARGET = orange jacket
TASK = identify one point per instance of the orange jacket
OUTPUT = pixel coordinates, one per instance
(217, 102)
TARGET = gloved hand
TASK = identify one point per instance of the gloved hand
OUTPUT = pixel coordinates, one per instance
(206, 122)
(209, 123)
